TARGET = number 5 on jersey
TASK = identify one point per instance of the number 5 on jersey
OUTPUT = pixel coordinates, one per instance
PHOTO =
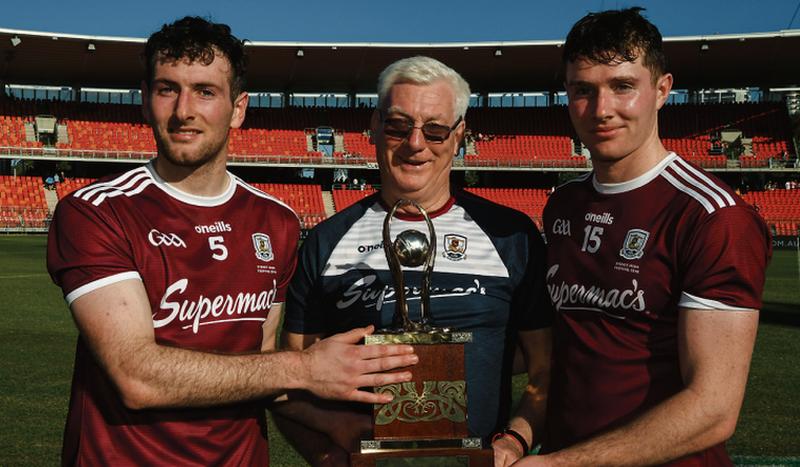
(220, 251)
(591, 238)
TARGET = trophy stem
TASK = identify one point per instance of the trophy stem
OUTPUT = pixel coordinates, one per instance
(401, 321)
(425, 305)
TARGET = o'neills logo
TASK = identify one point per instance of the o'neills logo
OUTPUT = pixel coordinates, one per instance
(578, 297)
(216, 227)
(368, 248)
(212, 310)
(605, 218)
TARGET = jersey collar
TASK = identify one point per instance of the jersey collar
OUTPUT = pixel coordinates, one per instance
(188, 198)
(418, 217)
(638, 182)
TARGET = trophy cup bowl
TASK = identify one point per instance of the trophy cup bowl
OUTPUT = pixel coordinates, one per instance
(426, 422)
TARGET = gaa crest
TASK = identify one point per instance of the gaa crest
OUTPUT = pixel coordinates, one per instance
(263, 247)
(455, 247)
(633, 247)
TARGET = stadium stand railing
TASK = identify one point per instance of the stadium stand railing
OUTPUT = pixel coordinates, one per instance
(23, 207)
(532, 137)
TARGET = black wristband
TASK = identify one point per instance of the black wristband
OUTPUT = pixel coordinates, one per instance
(515, 434)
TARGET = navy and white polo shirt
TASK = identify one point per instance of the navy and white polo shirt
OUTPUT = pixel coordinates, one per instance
(488, 279)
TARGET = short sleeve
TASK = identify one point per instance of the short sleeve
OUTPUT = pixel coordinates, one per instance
(723, 265)
(304, 313)
(531, 307)
(86, 249)
(291, 234)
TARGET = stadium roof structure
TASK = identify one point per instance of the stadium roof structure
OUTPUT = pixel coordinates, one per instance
(765, 60)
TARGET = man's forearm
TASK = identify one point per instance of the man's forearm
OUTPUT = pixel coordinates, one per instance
(162, 376)
(528, 420)
(678, 426)
(335, 368)
(530, 414)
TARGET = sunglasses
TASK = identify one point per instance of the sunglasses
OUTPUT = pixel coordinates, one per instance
(401, 128)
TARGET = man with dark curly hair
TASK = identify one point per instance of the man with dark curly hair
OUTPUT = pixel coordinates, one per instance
(175, 272)
(655, 269)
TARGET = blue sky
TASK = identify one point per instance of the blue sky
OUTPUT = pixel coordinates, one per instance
(393, 21)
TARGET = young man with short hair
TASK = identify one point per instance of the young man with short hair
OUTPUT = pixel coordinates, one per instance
(655, 270)
(175, 273)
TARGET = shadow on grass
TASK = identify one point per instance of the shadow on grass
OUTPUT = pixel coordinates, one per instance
(787, 314)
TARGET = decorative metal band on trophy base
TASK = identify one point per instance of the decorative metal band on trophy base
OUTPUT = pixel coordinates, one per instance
(465, 452)
(435, 336)
(377, 445)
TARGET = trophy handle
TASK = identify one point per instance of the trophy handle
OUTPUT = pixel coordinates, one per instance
(425, 305)
(401, 306)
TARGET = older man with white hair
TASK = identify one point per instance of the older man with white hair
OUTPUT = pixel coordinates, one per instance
(488, 278)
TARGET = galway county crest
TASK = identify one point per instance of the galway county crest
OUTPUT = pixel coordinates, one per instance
(455, 247)
(633, 248)
(263, 247)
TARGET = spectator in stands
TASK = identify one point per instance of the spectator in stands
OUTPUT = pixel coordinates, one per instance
(488, 277)
(174, 355)
(656, 311)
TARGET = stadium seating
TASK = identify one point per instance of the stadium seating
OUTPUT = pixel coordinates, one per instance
(779, 208)
(69, 185)
(516, 137)
(548, 151)
(12, 132)
(537, 136)
(358, 145)
(109, 136)
(687, 130)
(306, 200)
(531, 201)
(22, 203)
(21, 191)
(343, 197)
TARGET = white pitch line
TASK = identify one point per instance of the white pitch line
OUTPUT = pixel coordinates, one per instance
(23, 276)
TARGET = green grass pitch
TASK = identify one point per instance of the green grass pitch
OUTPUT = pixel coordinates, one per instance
(37, 344)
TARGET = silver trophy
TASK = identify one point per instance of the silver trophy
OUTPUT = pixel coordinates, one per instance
(411, 248)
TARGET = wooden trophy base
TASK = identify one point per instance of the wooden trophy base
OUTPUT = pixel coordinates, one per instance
(426, 422)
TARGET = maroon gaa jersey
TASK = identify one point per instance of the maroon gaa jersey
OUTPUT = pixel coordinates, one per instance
(622, 259)
(212, 268)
